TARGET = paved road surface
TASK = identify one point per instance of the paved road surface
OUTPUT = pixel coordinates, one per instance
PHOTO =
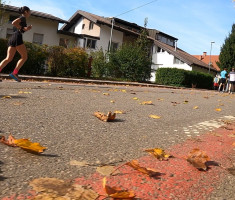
(60, 117)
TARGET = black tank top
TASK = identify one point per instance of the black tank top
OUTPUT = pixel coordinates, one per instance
(22, 24)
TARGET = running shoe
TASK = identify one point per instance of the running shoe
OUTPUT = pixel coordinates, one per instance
(15, 77)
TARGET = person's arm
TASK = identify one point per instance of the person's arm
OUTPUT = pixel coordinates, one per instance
(16, 23)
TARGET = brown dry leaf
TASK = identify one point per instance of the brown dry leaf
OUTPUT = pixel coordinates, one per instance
(105, 170)
(106, 94)
(112, 101)
(18, 103)
(234, 144)
(195, 107)
(154, 116)
(198, 159)
(78, 164)
(106, 118)
(9, 141)
(186, 101)
(6, 97)
(158, 153)
(160, 99)
(51, 188)
(227, 122)
(117, 193)
(135, 165)
(218, 109)
(147, 103)
(232, 135)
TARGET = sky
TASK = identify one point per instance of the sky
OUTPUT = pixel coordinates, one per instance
(196, 23)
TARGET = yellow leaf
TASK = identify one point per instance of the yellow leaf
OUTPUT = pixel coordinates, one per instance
(195, 107)
(124, 91)
(218, 109)
(112, 101)
(106, 94)
(185, 102)
(160, 99)
(120, 112)
(30, 146)
(6, 97)
(234, 144)
(135, 98)
(154, 116)
(147, 103)
(158, 153)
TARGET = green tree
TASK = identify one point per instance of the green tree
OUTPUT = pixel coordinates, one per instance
(227, 54)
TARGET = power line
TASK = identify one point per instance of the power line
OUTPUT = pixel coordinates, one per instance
(136, 8)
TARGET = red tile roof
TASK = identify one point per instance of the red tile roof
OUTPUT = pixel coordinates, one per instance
(206, 59)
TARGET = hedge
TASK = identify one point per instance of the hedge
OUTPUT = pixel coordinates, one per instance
(55, 60)
(183, 78)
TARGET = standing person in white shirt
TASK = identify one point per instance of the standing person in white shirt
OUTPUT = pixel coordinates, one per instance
(232, 80)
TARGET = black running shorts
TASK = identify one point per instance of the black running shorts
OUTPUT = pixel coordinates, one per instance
(16, 39)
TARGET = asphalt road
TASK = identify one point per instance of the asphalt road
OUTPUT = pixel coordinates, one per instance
(60, 117)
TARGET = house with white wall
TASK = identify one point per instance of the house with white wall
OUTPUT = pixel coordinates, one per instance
(96, 32)
(44, 31)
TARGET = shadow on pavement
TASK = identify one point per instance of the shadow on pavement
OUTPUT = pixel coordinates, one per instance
(2, 178)
(12, 97)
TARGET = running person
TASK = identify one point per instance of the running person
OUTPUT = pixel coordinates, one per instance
(16, 43)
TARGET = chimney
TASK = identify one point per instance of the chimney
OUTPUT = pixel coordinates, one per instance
(204, 54)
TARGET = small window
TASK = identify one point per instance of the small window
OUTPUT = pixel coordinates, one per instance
(178, 61)
(114, 46)
(9, 33)
(83, 26)
(91, 43)
(63, 42)
(91, 25)
(38, 38)
(12, 18)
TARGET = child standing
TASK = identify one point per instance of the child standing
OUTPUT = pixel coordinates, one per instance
(16, 43)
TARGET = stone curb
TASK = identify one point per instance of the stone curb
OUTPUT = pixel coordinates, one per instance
(98, 82)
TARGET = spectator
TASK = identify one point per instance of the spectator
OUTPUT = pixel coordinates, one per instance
(232, 81)
(223, 76)
(216, 82)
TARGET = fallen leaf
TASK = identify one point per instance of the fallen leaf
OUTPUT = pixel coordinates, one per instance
(158, 153)
(135, 165)
(21, 92)
(18, 103)
(231, 170)
(106, 94)
(147, 103)
(227, 122)
(135, 98)
(25, 144)
(218, 109)
(154, 116)
(77, 163)
(232, 135)
(198, 159)
(195, 107)
(123, 91)
(234, 144)
(106, 118)
(51, 188)
(160, 99)
(105, 170)
(117, 193)
(112, 101)
(120, 112)
(6, 97)
(185, 102)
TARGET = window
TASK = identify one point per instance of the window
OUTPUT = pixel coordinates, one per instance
(178, 61)
(83, 26)
(12, 18)
(63, 42)
(91, 25)
(114, 46)
(91, 43)
(9, 33)
(37, 38)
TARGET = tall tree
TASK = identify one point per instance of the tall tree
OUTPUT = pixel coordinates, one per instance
(227, 54)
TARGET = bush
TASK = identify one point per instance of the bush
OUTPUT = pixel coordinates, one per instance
(35, 64)
(67, 62)
(130, 62)
(180, 77)
(99, 64)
